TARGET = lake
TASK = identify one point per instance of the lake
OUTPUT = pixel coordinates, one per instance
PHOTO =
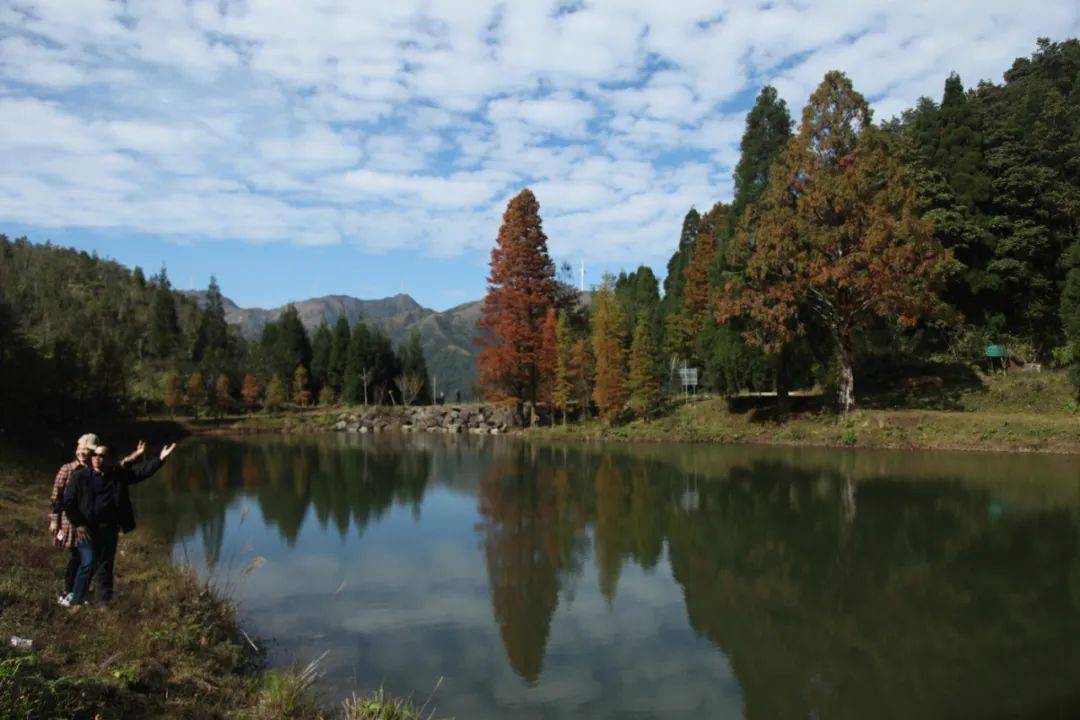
(643, 581)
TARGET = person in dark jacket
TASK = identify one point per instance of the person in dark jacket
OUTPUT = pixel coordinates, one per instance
(97, 502)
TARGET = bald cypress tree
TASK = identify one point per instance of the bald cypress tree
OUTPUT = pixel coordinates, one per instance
(836, 236)
(521, 288)
(610, 389)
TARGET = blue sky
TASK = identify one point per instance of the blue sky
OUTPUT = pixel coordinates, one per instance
(300, 149)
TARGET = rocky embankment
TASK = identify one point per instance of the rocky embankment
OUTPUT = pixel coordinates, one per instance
(474, 419)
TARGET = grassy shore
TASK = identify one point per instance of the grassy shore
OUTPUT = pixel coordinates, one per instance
(1018, 413)
(167, 647)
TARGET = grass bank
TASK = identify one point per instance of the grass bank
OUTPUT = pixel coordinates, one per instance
(168, 646)
(1017, 413)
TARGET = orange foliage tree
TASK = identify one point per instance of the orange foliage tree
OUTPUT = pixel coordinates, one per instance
(686, 324)
(835, 236)
(250, 390)
(609, 390)
(548, 359)
(521, 289)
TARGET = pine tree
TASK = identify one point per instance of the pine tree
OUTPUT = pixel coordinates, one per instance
(521, 288)
(301, 393)
(275, 393)
(644, 383)
(164, 326)
(251, 391)
(339, 355)
(222, 394)
(767, 132)
(196, 393)
(211, 346)
(171, 394)
(836, 234)
(321, 347)
(563, 386)
(609, 390)
(673, 281)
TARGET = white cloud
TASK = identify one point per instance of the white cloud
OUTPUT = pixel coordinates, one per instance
(409, 125)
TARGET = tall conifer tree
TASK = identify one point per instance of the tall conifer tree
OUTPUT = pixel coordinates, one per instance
(609, 354)
(644, 383)
(521, 288)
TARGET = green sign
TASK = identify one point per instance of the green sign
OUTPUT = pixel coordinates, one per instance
(997, 351)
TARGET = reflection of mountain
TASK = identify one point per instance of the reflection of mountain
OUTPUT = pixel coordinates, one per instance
(351, 485)
(835, 584)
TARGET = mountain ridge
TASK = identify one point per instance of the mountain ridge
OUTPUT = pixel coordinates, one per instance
(447, 337)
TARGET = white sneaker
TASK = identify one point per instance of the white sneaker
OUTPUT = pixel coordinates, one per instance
(67, 600)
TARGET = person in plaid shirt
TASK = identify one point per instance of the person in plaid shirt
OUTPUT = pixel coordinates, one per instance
(63, 535)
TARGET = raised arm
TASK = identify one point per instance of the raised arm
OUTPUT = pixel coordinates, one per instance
(149, 466)
(135, 454)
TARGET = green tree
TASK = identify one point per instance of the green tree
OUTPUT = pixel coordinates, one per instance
(275, 393)
(767, 132)
(322, 346)
(285, 343)
(210, 349)
(339, 355)
(1070, 315)
(164, 327)
(674, 280)
(638, 295)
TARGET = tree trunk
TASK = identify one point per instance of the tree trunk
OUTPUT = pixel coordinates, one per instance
(847, 377)
(780, 382)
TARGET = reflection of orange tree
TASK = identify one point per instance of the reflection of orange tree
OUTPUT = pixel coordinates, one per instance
(524, 540)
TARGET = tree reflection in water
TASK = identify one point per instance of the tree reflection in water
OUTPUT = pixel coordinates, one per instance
(837, 584)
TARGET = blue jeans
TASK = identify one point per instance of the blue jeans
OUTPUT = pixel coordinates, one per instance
(96, 557)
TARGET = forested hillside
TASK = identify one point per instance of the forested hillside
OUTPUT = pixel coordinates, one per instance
(84, 337)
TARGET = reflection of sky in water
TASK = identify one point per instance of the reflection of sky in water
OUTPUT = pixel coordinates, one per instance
(645, 581)
(415, 606)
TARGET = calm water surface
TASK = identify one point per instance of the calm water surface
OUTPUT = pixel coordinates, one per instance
(658, 581)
